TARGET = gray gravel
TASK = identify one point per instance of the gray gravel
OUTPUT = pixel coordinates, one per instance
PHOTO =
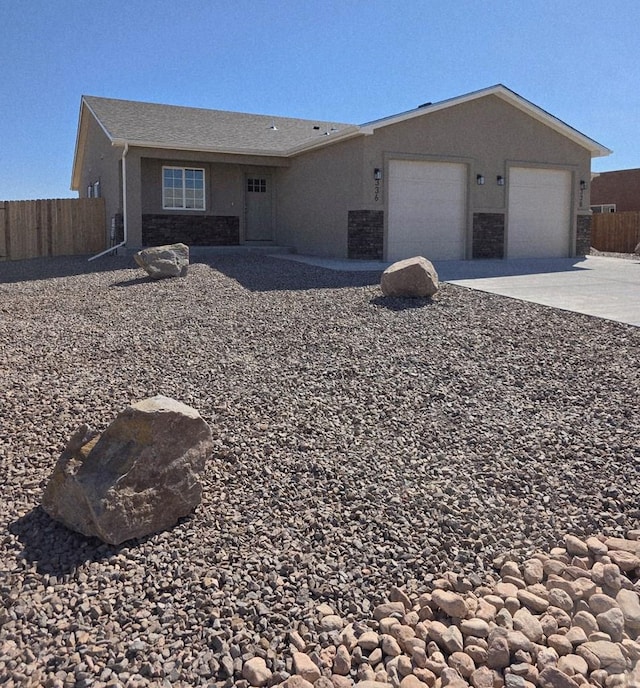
(361, 443)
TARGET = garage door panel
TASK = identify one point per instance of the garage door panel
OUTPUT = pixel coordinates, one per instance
(427, 210)
(539, 219)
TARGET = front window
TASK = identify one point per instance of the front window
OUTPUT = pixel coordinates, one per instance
(182, 188)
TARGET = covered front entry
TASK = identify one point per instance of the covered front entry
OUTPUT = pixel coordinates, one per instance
(258, 195)
(427, 210)
(539, 213)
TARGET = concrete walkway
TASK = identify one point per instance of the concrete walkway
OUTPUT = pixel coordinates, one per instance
(595, 285)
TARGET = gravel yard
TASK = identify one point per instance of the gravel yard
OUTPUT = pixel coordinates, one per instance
(362, 443)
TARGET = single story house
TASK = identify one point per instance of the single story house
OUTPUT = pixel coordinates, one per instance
(484, 175)
(616, 191)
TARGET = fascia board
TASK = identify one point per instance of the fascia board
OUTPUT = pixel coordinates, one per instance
(80, 136)
(200, 149)
(97, 119)
(79, 150)
(326, 141)
(370, 127)
(596, 149)
(258, 152)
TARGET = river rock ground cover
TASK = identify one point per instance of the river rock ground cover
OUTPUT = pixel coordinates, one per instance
(365, 447)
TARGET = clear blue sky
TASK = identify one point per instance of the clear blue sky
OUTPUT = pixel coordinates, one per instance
(342, 60)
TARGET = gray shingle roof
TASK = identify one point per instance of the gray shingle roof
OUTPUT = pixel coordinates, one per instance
(174, 126)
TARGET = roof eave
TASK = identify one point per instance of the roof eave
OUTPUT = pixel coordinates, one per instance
(282, 153)
(596, 149)
(326, 140)
(77, 153)
(200, 149)
(79, 150)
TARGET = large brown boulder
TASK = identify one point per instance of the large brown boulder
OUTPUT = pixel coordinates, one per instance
(414, 277)
(171, 260)
(139, 477)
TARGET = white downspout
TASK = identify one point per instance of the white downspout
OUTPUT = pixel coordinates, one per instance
(125, 150)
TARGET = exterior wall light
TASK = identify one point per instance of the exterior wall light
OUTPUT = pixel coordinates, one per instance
(479, 179)
(583, 185)
(377, 173)
(500, 180)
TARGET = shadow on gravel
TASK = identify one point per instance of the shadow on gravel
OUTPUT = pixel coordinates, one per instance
(55, 549)
(133, 282)
(261, 273)
(394, 303)
(59, 266)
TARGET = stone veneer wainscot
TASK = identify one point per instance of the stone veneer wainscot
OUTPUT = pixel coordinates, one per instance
(193, 230)
(366, 234)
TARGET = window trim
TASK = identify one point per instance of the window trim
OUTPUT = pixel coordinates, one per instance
(256, 185)
(93, 190)
(603, 208)
(183, 169)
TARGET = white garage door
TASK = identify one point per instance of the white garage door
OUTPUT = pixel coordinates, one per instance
(427, 210)
(539, 213)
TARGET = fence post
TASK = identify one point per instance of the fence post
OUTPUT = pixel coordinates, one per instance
(4, 253)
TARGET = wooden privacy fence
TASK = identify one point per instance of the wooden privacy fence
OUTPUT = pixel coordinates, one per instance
(54, 227)
(615, 232)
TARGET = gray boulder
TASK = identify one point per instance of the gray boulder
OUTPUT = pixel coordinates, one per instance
(171, 260)
(414, 277)
(139, 477)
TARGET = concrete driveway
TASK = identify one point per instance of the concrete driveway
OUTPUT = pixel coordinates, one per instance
(595, 285)
(603, 287)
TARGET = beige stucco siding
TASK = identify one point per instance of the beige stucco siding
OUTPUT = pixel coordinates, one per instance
(315, 195)
(101, 162)
(489, 133)
(224, 183)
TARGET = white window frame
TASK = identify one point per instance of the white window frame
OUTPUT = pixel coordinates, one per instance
(183, 206)
(603, 208)
(93, 190)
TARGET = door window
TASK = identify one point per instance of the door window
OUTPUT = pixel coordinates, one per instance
(256, 185)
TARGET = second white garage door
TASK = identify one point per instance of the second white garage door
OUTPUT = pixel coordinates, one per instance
(427, 210)
(539, 213)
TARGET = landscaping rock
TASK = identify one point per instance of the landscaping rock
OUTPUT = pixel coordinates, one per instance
(256, 672)
(359, 451)
(159, 262)
(139, 477)
(413, 277)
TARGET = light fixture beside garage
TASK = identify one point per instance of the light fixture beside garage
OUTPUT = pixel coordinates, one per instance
(377, 174)
(583, 185)
(479, 179)
(500, 180)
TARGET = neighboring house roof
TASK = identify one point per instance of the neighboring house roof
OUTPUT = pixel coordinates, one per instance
(152, 125)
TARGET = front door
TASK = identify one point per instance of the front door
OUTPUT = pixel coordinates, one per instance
(258, 208)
